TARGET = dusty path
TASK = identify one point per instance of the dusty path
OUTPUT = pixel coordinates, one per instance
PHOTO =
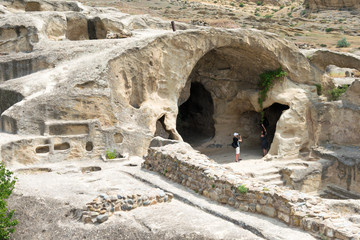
(44, 198)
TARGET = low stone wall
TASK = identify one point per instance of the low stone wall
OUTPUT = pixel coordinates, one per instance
(180, 163)
(104, 206)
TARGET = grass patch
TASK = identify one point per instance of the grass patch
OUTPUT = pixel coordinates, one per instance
(111, 154)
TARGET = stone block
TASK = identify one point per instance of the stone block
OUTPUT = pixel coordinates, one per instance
(269, 211)
(284, 217)
(329, 232)
(102, 218)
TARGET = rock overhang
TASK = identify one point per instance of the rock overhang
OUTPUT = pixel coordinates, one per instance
(129, 84)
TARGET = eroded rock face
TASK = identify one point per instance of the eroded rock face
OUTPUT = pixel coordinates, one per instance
(332, 4)
(118, 93)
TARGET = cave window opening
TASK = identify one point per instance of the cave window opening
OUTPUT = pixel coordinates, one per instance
(195, 121)
(271, 116)
(91, 29)
(161, 129)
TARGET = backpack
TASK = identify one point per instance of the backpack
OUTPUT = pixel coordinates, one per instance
(234, 145)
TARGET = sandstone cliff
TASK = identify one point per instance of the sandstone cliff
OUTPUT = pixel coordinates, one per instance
(78, 81)
(332, 4)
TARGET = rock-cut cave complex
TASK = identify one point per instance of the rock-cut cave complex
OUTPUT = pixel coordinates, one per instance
(76, 81)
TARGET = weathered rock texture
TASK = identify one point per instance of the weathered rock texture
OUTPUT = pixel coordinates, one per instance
(74, 98)
(77, 81)
(332, 4)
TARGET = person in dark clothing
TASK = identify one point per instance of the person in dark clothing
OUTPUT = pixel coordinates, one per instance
(263, 138)
(237, 139)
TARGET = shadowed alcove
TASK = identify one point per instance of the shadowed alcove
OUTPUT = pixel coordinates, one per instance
(195, 121)
(272, 114)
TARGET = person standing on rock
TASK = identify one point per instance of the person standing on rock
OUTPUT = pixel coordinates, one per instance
(236, 143)
(263, 138)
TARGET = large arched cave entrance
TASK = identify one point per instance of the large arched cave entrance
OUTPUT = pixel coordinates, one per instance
(220, 98)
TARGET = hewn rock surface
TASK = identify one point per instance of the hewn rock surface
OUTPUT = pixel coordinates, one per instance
(332, 4)
(78, 82)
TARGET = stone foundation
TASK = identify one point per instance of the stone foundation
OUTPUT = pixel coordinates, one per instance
(104, 206)
(180, 163)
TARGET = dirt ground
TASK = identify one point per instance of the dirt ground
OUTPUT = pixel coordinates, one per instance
(292, 20)
(46, 203)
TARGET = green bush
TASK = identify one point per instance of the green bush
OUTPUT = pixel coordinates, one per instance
(7, 184)
(259, 3)
(323, 45)
(329, 30)
(266, 81)
(242, 189)
(241, 5)
(111, 154)
(338, 91)
(342, 43)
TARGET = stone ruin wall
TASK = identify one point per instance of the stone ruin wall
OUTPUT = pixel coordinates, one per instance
(211, 180)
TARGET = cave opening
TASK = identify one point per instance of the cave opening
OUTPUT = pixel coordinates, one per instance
(219, 99)
(161, 129)
(195, 121)
(271, 117)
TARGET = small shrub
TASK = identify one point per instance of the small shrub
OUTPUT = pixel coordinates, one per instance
(266, 80)
(318, 89)
(213, 185)
(232, 4)
(259, 3)
(282, 6)
(7, 185)
(111, 154)
(268, 16)
(289, 14)
(241, 5)
(242, 189)
(266, 189)
(342, 43)
(338, 91)
(298, 34)
(257, 14)
(329, 30)
(323, 45)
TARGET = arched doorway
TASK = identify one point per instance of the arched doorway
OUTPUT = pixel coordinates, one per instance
(221, 97)
(195, 121)
(272, 114)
